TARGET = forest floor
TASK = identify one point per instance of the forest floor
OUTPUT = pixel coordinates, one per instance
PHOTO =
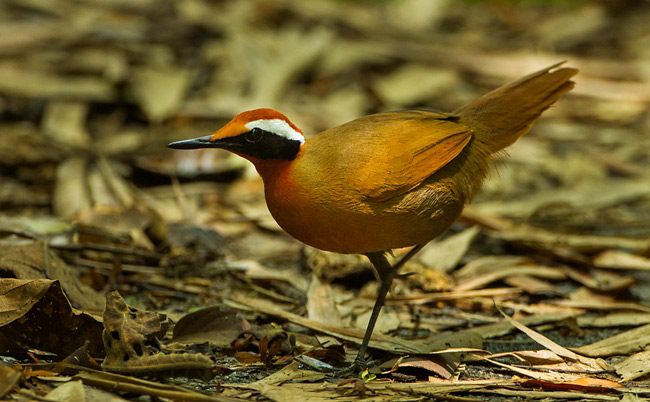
(128, 269)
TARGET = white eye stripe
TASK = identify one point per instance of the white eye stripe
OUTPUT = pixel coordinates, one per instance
(278, 127)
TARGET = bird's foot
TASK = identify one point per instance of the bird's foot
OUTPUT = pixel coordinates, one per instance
(355, 368)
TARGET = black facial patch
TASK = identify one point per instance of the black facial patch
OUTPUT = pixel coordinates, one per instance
(263, 145)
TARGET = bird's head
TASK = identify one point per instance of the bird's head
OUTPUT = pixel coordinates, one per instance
(260, 135)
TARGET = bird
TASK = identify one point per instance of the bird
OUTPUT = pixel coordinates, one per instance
(388, 180)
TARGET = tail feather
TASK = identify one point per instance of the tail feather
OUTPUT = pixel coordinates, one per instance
(507, 113)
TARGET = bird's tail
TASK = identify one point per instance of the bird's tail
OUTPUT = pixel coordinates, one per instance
(507, 113)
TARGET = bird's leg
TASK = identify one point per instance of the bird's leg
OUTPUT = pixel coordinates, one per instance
(386, 275)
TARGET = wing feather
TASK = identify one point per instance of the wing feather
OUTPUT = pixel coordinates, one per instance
(409, 147)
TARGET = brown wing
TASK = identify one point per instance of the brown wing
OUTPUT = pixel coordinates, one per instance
(407, 148)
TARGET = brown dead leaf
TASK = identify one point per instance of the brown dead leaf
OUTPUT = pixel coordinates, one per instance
(160, 90)
(442, 387)
(444, 366)
(321, 306)
(584, 384)
(20, 80)
(247, 358)
(446, 254)
(413, 84)
(531, 285)
(616, 259)
(548, 395)
(525, 270)
(127, 384)
(387, 320)
(602, 305)
(552, 377)
(255, 270)
(538, 357)
(127, 328)
(64, 123)
(586, 362)
(454, 295)
(218, 325)
(28, 259)
(490, 263)
(9, 378)
(359, 388)
(634, 366)
(614, 320)
(70, 194)
(588, 195)
(488, 331)
(68, 392)
(132, 342)
(290, 373)
(600, 280)
(634, 340)
(36, 314)
(378, 341)
(562, 241)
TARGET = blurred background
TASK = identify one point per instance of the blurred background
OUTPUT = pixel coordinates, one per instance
(92, 91)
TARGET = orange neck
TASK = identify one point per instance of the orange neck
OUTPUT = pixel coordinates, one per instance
(269, 169)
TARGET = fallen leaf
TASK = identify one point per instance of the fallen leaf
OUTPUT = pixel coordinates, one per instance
(377, 341)
(29, 259)
(585, 384)
(523, 270)
(71, 391)
(218, 325)
(616, 259)
(554, 347)
(413, 83)
(64, 123)
(20, 80)
(321, 306)
(634, 366)
(634, 340)
(71, 194)
(446, 254)
(160, 90)
(600, 280)
(35, 313)
(247, 358)
(614, 320)
(502, 328)
(9, 378)
(444, 366)
(588, 195)
(531, 285)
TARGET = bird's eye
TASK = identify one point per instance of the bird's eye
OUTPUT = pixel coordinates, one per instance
(255, 135)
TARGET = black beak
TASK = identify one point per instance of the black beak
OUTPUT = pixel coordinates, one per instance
(194, 143)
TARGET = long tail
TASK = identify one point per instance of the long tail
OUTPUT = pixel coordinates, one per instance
(507, 113)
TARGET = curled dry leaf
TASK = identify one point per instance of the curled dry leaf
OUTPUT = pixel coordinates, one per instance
(36, 314)
(131, 339)
(29, 259)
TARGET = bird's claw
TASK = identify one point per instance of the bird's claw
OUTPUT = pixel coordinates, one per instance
(358, 366)
(404, 275)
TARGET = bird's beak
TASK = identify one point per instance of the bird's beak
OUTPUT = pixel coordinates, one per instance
(200, 142)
